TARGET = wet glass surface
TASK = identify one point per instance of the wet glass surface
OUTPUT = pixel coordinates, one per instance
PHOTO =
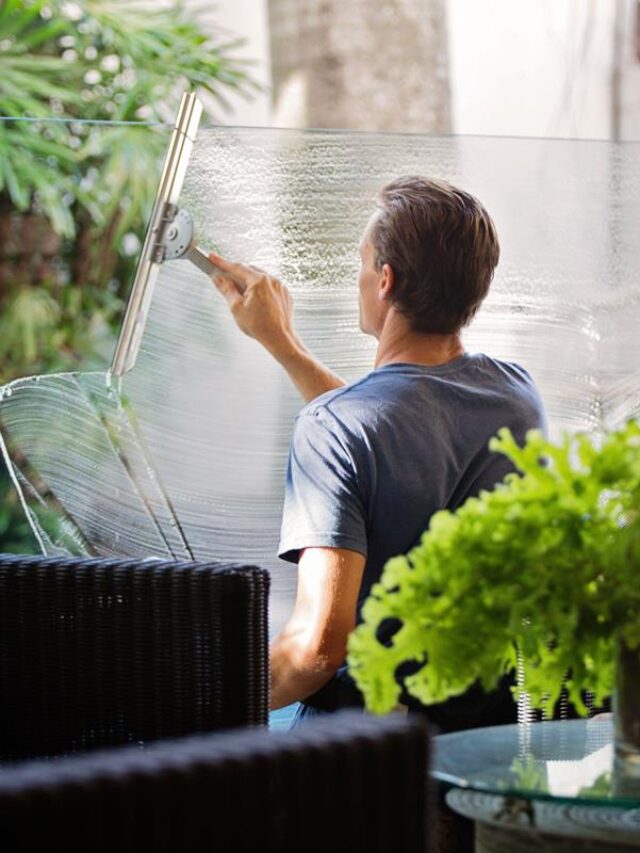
(188, 458)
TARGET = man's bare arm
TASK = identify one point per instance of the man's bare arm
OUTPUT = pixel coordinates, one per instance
(311, 647)
(262, 308)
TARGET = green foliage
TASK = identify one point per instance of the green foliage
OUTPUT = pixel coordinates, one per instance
(15, 534)
(530, 774)
(44, 329)
(600, 787)
(75, 191)
(116, 60)
(545, 565)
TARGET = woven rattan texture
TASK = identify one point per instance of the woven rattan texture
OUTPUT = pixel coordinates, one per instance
(345, 783)
(102, 652)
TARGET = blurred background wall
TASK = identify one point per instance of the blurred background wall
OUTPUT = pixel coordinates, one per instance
(558, 68)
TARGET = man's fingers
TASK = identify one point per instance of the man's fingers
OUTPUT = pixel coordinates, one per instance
(229, 289)
(240, 273)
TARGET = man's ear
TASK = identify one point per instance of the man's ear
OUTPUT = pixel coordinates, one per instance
(385, 283)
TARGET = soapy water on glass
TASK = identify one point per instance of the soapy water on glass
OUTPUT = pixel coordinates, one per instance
(185, 455)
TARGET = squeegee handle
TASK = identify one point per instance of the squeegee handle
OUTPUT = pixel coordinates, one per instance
(198, 257)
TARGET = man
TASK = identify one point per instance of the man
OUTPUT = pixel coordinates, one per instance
(370, 462)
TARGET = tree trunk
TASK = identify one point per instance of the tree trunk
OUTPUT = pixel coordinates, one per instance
(360, 65)
(28, 248)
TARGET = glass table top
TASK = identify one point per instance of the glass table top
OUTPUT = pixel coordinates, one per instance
(567, 761)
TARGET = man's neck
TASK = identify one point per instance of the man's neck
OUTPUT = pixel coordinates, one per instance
(398, 343)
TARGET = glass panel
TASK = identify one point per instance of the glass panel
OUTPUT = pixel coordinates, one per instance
(569, 760)
(191, 459)
(74, 202)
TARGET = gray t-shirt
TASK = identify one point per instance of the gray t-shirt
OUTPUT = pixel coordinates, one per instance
(371, 462)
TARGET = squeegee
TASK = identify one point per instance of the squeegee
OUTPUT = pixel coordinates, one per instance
(169, 236)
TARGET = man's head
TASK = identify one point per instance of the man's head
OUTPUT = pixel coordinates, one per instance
(430, 251)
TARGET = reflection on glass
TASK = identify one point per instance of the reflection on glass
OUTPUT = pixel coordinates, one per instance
(588, 775)
(570, 760)
(529, 773)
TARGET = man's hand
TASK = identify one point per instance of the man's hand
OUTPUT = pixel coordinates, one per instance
(260, 304)
(262, 308)
(312, 645)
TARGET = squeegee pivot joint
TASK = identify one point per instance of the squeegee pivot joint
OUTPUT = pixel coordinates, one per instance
(175, 234)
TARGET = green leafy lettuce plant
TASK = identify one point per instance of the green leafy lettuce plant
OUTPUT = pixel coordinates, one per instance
(545, 566)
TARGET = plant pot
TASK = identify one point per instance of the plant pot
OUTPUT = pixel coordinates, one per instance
(626, 712)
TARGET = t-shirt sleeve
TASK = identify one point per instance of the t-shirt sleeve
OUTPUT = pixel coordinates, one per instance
(323, 506)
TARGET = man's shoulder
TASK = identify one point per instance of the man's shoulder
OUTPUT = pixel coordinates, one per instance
(509, 373)
(519, 404)
(499, 366)
(397, 386)
(339, 401)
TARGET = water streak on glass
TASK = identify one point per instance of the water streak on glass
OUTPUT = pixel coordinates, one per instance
(187, 459)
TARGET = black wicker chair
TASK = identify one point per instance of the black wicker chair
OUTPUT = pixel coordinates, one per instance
(347, 782)
(100, 652)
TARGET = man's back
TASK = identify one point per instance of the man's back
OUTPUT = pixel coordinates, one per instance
(371, 462)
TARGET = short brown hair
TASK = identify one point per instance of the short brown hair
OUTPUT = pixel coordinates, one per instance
(443, 249)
